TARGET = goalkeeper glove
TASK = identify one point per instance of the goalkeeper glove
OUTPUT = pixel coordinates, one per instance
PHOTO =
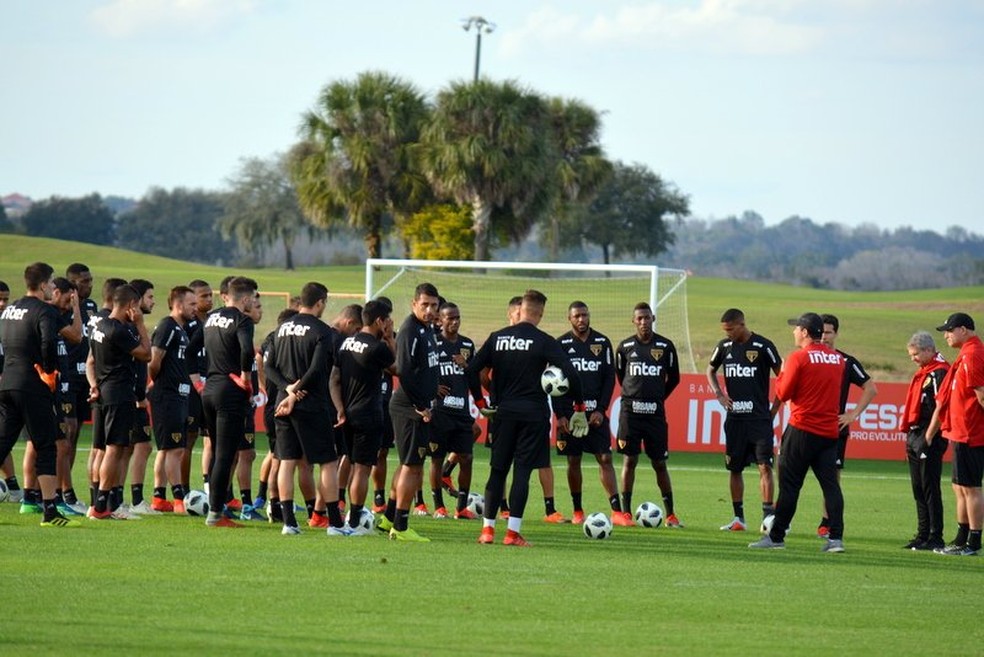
(485, 408)
(579, 424)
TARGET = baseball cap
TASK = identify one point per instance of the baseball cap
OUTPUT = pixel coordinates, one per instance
(957, 320)
(812, 322)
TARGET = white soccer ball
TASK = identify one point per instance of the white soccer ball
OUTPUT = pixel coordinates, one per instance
(597, 525)
(554, 382)
(4, 491)
(196, 503)
(649, 515)
(476, 503)
(367, 519)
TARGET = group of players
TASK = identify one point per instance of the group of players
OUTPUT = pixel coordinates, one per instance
(330, 401)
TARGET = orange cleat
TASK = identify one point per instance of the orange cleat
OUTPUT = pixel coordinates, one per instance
(420, 510)
(516, 539)
(823, 532)
(318, 521)
(162, 505)
(578, 518)
(556, 518)
(378, 508)
(622, 519)
(92, 514)
(465, 514)
(179, 507)
(673, 521)
(225, 522)
(504, 514)
(235, 505)
(487, 537)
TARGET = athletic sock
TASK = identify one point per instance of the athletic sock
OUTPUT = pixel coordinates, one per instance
(287, 511)
(115, 497)
(334, 515)
(668, 503)
(12, 483)
(355, 514)
(308, 506)
(420, 497)
(462, 500)
(276, 511)
(178, 491)
(739, 509)
(768, 509)
(627, 501)
(246, 495)
(160, 492)
(93, 492)
(402, 520)
(974, 539)
(205, 478)
(102, 501)
(613, 502)
(963, 529)
(136, 493)
(448, 468)
(576, 501)
(32, 496)
(59, 498)
(390, 512)
(548, 506)
(262, 493)
(379, 497)
(71, 497)
(438, 494)
(51, 512)
(514, 524)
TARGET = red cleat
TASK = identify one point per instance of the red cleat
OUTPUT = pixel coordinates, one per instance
(162, 505)
(448, 485)
(578, 518)
(378, 508)
(504, 514)
(318, 521)
(179, 507)
(556, 518)
(487, 537)
(516, 539)
(465, 514)
(673, 521)
(823, 532)
(622, 519)
(225, 522)
(235, 505)
(420, 510)
(92, 514)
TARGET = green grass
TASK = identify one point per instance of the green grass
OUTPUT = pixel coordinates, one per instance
(875, 326)
(168, 585)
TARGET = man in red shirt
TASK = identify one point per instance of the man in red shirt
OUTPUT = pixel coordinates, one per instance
(960, 415)
(810, 381)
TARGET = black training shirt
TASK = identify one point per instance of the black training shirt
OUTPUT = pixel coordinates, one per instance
(416, 365)
(303, 351)
(228, 340)
(172, 379)
(110, 343)
(361, 359)
(29, 334)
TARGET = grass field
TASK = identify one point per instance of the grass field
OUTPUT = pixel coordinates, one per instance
(167, 585)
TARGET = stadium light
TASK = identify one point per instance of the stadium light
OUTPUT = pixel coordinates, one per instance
(480, 25)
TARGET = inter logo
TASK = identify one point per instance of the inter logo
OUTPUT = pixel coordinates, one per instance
(596, 349)
(656, 353)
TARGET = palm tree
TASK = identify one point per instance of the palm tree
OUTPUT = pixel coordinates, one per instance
(355, 161)
(487, 146)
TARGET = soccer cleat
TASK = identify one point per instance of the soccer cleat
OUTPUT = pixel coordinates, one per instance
(954, 550)
(448, 485)
(80, 507)
(441, 513)
(420, 510)
(99, 515)
(915, 544)
(383, 524)
(60, 521)
(318, 521)
(67, 510)
(378, 508)
(766, 543)
(235, 505)
(161, 505)
(578, 518)
(556, 518)
(290, 530)
(833, 545)
(224, 522)
(673, 521)
(339, 531)
(465, 514)
(230, 513)
(123, 512)
(407, 535)
(249, 512)
(487, 537)
(622, 519)
(179, 507)
(259, 503)
(359, 531)
(16, 496)
(823, 531)
(30, 508)
(504, 514)
(736, 525)
(931, 544)
(516, 539)
(144, 509)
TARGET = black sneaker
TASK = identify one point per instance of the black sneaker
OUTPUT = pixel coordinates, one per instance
(915, 544)
(950, 550)
(931, 544)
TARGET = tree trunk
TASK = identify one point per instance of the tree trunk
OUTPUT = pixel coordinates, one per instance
(373, 239)
(554, 237)
(604, 253)
(481, 220)
(289, 253)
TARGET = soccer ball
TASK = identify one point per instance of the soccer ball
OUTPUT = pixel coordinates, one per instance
(196, 503)
(554, 382)
(367, 519)
(4, 491)
(597, 525)
(649, 515)
(476, 503)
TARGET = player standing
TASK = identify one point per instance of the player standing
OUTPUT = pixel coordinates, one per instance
(747, 358)
(592, 356)
(649, 371)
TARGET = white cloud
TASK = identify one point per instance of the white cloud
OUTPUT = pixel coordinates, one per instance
(719, 26)
(125, 18)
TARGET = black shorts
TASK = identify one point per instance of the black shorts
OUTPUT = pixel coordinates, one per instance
(598, 441)
(747, 442)
(363, 436)
(170, 421)
(196, 413)
(343, 446)
(37, 412)
(968, 465)
(304, 434)
(270, 424)
(140, 431)
(64, 409)
(638, 432)
(412, 436)
(452, 433)
(842, 447)
(249, 435)
(389, 438)
(521, 441)
(112, 424)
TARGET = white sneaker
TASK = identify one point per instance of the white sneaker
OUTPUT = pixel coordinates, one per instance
(123, 513)
(736, 525)
(144, 509)
(81, 507)
(16, 496)
(360, 531)
(340, 531)
(290, 530)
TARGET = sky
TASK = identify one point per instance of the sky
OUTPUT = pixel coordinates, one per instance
(847, 111)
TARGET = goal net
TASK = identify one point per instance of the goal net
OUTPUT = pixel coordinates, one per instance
(482, 291)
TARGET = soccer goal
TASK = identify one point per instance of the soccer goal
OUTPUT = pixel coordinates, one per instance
(483, 289)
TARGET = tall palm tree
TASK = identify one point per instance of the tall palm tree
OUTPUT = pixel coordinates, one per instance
(487, 146)
(355, 161)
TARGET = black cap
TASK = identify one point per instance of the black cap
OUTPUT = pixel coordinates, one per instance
(812, 322)
(957, 320)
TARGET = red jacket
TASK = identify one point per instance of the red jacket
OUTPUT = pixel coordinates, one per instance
(811, 381)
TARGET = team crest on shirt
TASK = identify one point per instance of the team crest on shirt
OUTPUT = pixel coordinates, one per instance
(656, 353)
(622, 444)
(561, 445)
(433, 447)
(596, 349)
(465, 353)
(176, 437)
(752, 356)
(421, 452)
(250, 437)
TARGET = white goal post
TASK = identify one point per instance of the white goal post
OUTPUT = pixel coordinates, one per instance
(482, 290)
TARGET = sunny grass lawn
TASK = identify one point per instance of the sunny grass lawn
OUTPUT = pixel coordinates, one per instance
(166, 585)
